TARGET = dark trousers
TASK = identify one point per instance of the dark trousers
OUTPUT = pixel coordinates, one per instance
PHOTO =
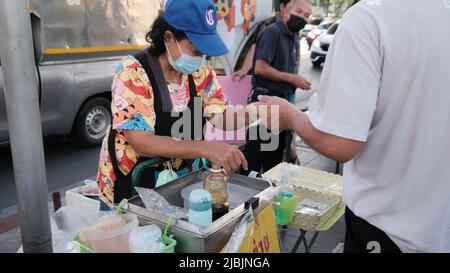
(266, 160)
(362, 237)
(257, 159)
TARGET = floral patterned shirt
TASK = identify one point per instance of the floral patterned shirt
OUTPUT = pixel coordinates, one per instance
(132, 109)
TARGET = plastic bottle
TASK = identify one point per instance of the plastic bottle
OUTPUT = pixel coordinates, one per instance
(200, 208)
(286, 200)
(216, 182)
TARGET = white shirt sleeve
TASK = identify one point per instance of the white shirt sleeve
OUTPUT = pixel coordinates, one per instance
(348, 92)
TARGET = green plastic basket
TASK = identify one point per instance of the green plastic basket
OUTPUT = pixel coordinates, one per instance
(83, 249)
(170, 245)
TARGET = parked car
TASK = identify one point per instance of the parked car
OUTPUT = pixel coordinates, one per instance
(317, 31)
(320, 46)
(312, 23)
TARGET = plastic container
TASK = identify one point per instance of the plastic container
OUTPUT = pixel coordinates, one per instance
(170, 246)
(200, 208)
(285, 207)
(80, 247)
(116, 240)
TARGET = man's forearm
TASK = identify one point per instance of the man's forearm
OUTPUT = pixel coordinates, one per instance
(264, 70)
(248, 62)
(336, 148)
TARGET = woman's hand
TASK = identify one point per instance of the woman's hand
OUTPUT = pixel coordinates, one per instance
(225, 156)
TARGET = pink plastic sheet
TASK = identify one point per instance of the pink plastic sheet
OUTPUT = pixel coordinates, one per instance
(237, 92)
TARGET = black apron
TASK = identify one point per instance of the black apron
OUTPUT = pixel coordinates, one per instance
(123, 188)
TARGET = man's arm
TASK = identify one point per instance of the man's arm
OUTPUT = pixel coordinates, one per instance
(348, 93)
(263, 69)
(248, 64)
(266, 52)
(334, 147)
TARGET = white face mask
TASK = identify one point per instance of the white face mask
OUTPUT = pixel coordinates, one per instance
(186, 64)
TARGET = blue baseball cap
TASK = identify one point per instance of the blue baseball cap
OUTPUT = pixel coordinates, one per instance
(198, 19)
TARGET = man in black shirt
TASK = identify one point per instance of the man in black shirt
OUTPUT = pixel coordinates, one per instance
(275, 73)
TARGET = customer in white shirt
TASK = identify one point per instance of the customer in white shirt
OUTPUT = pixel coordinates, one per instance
(384, 108)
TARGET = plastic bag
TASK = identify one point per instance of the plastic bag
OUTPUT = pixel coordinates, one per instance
(90, 188)
(154, 202)
(239, 233)
(146, 239)
(289, 173)
(66, 223)
(336, 189)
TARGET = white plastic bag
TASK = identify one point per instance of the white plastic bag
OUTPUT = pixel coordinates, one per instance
(90, 188)
(146, 239)
(66, 223)
(239, 233)
(154, 202)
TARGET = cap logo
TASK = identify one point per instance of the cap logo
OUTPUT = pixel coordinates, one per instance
(210, 17)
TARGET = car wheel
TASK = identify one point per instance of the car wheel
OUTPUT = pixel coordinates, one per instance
(316, 64)
(93, 121)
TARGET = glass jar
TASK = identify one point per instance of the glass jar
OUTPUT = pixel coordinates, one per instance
(216, 183)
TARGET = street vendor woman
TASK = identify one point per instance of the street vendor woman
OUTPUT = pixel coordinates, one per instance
(180, 38)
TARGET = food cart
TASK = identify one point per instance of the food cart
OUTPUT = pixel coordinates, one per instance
(248, 196)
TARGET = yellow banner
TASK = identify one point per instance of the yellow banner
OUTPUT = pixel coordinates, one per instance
(262, 236)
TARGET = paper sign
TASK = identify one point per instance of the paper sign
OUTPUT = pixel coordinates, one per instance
(262, 237)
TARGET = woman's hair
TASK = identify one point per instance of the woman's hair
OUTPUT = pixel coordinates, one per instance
(156, 35)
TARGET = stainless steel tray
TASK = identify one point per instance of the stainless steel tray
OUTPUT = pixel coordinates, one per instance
(191, 238)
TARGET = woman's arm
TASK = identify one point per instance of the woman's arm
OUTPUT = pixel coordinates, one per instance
(235, 118)
(221, 155)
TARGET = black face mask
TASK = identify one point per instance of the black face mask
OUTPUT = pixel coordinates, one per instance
(296, 23)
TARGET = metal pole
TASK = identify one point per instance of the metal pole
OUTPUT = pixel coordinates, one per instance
(22, 106)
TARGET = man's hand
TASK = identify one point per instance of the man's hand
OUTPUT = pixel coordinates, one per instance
(300, 82)
(225, 156)
(239, 75)
(276, 113)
